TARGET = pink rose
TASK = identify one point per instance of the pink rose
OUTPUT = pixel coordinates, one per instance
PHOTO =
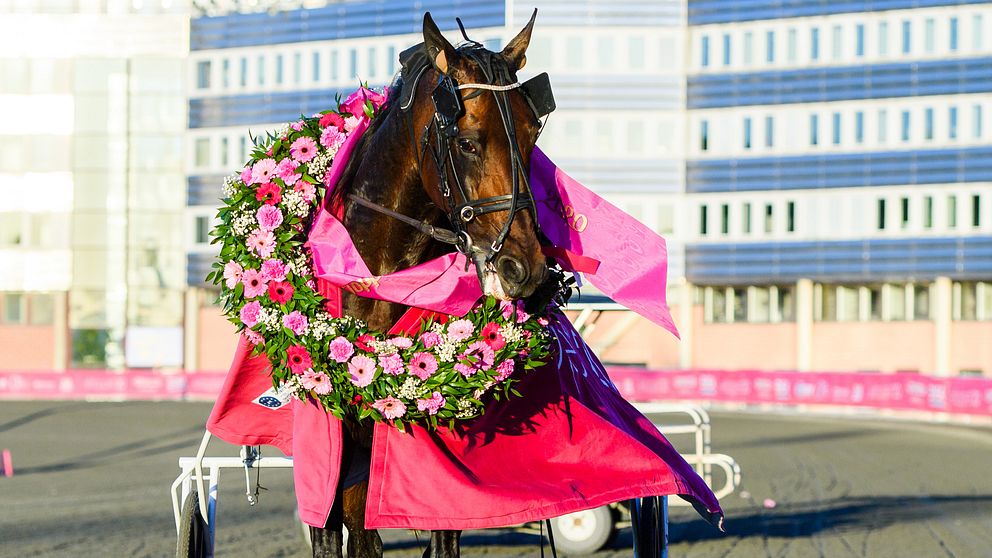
(254, 337)
(504, 369)
(250, 313)
(332, 139)
(341, 349)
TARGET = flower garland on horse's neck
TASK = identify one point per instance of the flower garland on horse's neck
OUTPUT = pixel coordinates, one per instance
(265, 274)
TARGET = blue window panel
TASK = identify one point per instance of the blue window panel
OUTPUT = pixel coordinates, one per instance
(770, 46)
(726, 49)
(769, 131)
(937, 77)
(907, 37)
(904, 125)
(836, 128)
(704, 52)
(340, 20)
(928, 124)
(747, 133)
(814, 44)
(842, 170)
(976, 121)
(859, 127)
(814, 129)
(952, 123)
(960, 258)
(859, 39)
(702, 12)
(953, 34)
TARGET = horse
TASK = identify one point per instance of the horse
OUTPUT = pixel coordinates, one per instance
(440, 168)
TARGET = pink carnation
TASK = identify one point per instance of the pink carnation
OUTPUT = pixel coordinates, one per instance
(506, 308)
(303, 149)
(543, 322)
(431, 404)
(232, 273)
(298, 125)
(362, 370)
(430, 339)
(460, 330)
(296, 322)
(317, 381)
(255, 283)
(422, 365)
(250, 313)
(401, 342)
(391, 364)
(246, 176)
(262, 243)
(341, 349)
(287, 171)
(390, 407)
(269, 217)
(254, 337)
(332, 138)
(274, 270)
(262, 170)
(504, 369)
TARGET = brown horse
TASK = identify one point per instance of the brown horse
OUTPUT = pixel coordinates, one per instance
(441, 168)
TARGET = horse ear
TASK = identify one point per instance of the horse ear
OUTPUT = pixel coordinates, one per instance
(515, 49)
(439, 50)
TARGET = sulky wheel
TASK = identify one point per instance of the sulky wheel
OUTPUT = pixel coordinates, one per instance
(193, 535)
(584, 532)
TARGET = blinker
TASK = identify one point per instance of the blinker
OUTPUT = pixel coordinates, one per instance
(447, 105)
(537, 91)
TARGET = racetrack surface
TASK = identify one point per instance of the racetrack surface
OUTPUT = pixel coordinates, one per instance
(92, 479)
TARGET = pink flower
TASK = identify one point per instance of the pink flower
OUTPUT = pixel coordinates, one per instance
(254, 337)
(391, 364)
(307, 189)
(332, 119)
(269, 192)
(390, 407)
(317, 381)
(299, 359)
(522, 316)
(262, 243)
(350, 123)
(422, 365)
(232, 273)
(273, 270)
(250, 313)
(355, 103)
(479, 356)
(365, 341)
(492, 336)
(246, 176)
(460, 330)
(280, 292)
(332, 139)
(296, 322)
(269, 217)
(303, 149)
(255, 284)
(341, 349)
(506, 308)
(287, 171)
(298, 126)
(504, 369)
(262, 170)
(543, 322)
(362, 370)
(401, 342)
(430, 339)
(432, 404)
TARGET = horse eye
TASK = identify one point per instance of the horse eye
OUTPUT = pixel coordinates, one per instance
(467, 146)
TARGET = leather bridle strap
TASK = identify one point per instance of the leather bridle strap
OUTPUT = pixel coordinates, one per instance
(437, 233)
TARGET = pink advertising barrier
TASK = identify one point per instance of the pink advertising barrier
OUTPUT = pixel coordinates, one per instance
(882, 391)
(914, 392)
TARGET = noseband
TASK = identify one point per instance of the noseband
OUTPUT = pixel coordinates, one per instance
(443, 130)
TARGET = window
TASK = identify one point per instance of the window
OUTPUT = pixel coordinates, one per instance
(704, 52)
(203, 74)
(836, 130)
(785, 304)
(746, 218)
(814, 43)
(883, 123)
(769, 131)
(41, 309)
(666, 219)
(769, 218)
(770, 47)
(907, 35)
(883, 38)
(952, 211)
(976, 121)
(315, 66)
(201, 156)
(726, 49)
(825, 297)
(334, 65)
(223, 151)
(702, 220)
(243, 72)
(373, 71)
(881, 214)
(847, 304)
(791, 54)
(391, 58)
(790, 216)
(202, 229)
(874, 294)
(921, 301)
(859, 40)
(297, 67)
(904, 212)
(928, 35)
(814, 132)
(952, 123)
(740, 304)
(352, 64)
(747, 133)
(279, 64)
(635, 50)
(225, 73)
(260, 70)
(717, 298)
(242, 149)
(976, 32)
(928, 212)
(837, 46)
(904, 134)
(928, 123)
(724, 219)
(859, 127)
(14, 308)
(976, 213)
(704, 135)
(759, 302)
(604, 52)
(573, 52)
(952, 41)
(894, 302)
(748, 47)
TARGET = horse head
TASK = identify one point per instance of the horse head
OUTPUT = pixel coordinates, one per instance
(477, 128)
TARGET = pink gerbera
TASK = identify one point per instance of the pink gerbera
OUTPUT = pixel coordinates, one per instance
(269, 192)
(350, 123)
(341, 349)
(303, 149)
(307, 189)
(250, 313)
(262, 242)
(479, 356)
(390, 407)
(269, 217)
(317, 381)
(254, 283)
(492, 336)
(298, 359)
(460, 330)
(422, 365)
(332, 119)
(274, 270)
(296, 322)
(391, 364)
(232, 273)
(362, 370)
(262, 170)
(432, 404)
(280, 292)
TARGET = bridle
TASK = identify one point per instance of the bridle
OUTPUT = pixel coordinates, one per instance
(437, 139)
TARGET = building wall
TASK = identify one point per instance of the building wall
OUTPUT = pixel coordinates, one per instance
(25, 347)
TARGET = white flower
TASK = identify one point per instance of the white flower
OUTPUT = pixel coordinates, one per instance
(412, 388)
(383, 347)
(231, 185)
(465, 409)
(511, 333)
(446, 351)
(294, 203)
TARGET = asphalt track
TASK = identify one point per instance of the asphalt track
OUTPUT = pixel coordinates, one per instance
(91, 479)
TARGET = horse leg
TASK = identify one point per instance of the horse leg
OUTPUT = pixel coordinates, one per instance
(362, 543)
(444, 544)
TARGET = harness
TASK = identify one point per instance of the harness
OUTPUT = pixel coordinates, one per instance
(437, 139)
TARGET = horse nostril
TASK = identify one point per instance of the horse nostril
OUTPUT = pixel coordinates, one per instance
(512, 270)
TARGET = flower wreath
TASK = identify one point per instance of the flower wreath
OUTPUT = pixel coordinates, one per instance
(265, 275)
